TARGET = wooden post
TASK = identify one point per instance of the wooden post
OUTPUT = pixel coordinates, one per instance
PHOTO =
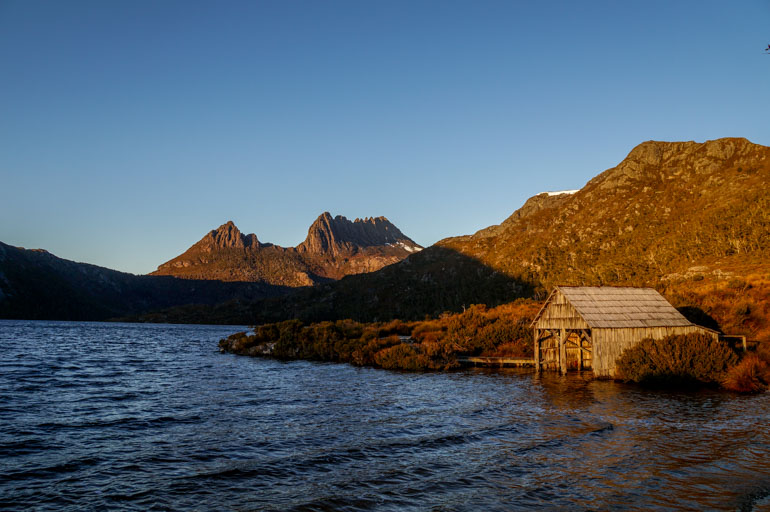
(563, 350)
(580, 352)
(536, 336)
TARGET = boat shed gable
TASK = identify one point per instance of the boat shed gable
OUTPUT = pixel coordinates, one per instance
(558, 313)
(612, 307)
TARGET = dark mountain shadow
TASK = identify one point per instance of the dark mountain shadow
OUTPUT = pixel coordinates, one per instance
(36, 285)
(427, 283)
(699, 317)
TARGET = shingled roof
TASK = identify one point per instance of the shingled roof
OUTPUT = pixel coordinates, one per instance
(607, 307)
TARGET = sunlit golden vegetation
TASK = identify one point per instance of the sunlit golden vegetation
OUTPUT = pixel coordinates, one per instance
(735, 305)
(751, 375)
(694, 360)
(504, 331)
(683, 359)
(431, 344)
(677, 216)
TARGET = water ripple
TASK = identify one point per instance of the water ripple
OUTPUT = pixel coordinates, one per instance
(151, 417)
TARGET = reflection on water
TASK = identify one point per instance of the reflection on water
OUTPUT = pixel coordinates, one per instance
(121, 416)
(685, 450)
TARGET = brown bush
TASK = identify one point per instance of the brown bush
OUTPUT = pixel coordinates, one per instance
(689, 359)
(435, 342)
(401, 357)
(366, 355)
(751, 375)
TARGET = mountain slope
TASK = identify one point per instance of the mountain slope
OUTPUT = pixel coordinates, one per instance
(35, 284)
(225, 254)
(666, 208)
(669, 211)
(334, 247)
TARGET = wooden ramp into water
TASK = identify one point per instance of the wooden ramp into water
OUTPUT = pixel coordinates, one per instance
(499, 362)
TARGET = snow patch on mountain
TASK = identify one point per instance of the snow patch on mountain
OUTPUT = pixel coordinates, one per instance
(560, 192)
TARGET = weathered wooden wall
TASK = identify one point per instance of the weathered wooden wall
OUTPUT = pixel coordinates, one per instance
(560, 314)
(609, 344)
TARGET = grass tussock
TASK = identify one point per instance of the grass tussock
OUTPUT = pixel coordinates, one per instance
(751, 375)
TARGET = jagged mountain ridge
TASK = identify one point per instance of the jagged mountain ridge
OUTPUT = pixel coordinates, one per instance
(337, 235)
(670, 211)
(334, 247)
(228, 235)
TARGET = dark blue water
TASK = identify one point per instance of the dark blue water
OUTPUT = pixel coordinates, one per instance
(151, 417)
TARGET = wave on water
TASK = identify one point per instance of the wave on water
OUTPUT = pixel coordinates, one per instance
(138, 417)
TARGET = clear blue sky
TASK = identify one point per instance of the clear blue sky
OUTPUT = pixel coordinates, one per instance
(129, 129)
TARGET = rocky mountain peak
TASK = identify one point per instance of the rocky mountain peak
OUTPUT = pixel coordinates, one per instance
(227, 236)
(667, 207)
(334, 235)
(334, 248)
(657, 161)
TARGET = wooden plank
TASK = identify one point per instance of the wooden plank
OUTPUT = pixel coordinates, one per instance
(496, 361)
(563, 351)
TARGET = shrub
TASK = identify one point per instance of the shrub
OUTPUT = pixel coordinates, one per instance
(366, 355)
(428, 328)
(751, 375)
(237, 342)
(435, 342)
(395, 327)
(684, 359)
(288, 344)
(402, 357)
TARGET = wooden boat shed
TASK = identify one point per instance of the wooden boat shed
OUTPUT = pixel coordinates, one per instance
(588, 327)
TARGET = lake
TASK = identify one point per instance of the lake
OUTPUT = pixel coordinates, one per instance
(152, 417)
